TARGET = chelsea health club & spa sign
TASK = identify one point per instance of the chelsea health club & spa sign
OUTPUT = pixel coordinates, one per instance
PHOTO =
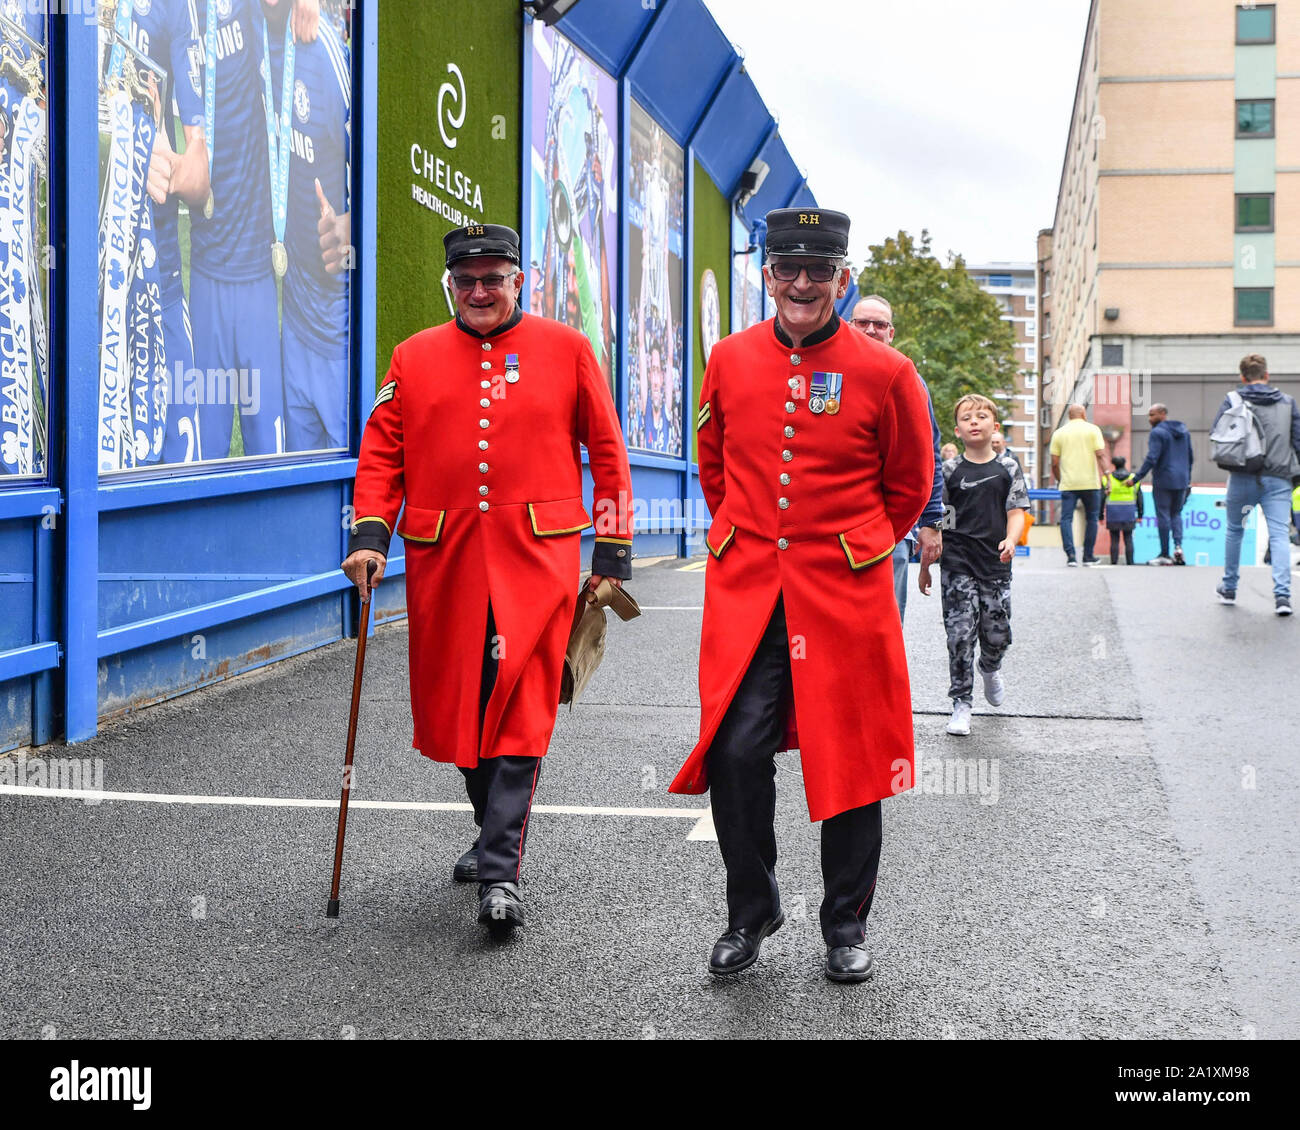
(441, 183)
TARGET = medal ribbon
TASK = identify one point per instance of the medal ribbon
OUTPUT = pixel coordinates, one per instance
(20, 371)
(280, 148)
(29, 154)
(15, 354)
(120, 218)
(146, 349)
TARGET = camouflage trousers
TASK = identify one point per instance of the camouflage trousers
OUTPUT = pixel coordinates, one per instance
(974, 609)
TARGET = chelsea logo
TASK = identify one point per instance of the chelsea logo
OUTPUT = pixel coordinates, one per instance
(223, 9)
(301, 103)
(141, 7)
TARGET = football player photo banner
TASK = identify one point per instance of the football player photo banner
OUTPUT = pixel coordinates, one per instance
(24, 237)
(574, 192)
(656, 202)
(225, 235)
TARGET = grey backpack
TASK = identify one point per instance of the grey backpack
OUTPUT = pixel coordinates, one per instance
(1237, 441)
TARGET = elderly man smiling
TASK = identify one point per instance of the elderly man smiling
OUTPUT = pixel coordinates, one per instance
(477, 429)
(816, 459)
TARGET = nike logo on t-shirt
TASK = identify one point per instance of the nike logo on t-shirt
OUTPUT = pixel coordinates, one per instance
(966, 484)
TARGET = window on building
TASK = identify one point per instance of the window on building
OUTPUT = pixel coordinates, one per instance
(1031, 302)
(1255, 211)
(1255, 117)
(1031, 328)
(1031, 379)
(1047, 325)
(1254, 306)
(999, 280)
(1112, 355)
(1256, 23)
(1031, 355)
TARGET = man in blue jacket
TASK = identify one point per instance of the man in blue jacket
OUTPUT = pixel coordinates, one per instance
(874, 316)
(1169, 451)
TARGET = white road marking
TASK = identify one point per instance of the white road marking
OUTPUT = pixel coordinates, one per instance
(98, 795)
(704, 829)
(693, 567)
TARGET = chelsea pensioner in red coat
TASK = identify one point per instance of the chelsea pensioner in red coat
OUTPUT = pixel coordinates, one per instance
(476, 429)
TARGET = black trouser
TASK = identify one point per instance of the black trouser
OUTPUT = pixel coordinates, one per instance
(500, 789)
(742, 784)
(1125, 535)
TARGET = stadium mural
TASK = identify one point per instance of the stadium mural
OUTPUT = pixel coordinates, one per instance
(225, 241)
(24, 261)
(656, 199)
(574, 186)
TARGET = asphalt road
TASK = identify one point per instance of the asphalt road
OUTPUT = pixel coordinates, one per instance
(1116, 873)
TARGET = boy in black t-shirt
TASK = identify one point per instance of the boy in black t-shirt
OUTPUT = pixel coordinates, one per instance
(985, 499)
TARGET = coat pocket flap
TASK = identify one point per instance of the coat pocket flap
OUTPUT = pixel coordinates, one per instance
(563, 516)
(419, 524)
(720, 535)
(868, 543)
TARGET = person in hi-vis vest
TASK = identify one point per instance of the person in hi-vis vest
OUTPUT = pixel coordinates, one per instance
(1123, 509)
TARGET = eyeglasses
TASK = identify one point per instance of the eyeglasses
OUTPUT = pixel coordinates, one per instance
(872, 324)
(490, 282)
(817, 272)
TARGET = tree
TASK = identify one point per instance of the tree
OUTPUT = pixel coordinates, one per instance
(951, 329)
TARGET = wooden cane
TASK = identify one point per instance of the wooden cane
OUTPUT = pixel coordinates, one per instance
(332, 911)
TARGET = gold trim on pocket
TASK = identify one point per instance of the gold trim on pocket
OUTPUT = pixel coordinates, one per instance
(862, 565)
(437, 533)
(532, 518)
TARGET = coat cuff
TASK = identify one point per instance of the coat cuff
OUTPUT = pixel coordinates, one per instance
(612, 557)
(369, 533)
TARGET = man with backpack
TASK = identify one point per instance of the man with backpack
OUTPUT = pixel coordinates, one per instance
(1256, 439)
(1169, 452)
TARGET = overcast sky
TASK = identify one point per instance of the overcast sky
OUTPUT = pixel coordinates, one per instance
(946, 114)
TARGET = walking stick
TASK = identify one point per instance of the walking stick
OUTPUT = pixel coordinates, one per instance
(332, 911)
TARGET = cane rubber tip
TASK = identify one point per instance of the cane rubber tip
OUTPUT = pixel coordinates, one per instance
(332, 911)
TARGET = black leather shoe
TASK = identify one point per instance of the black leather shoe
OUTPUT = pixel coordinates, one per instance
(738, 949)
(499, 906)
(466, 869)
(849, 963)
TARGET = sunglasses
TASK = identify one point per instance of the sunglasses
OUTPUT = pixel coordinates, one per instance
(816, 272)
(872, 324)
(490, 282)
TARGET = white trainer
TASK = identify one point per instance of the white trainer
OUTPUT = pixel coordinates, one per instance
(959, 723)
(994, 689)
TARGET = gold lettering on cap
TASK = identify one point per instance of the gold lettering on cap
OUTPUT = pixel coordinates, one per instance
(475, 229)
(810, 217)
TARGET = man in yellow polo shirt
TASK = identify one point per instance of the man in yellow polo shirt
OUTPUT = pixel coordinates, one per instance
(1079, 467)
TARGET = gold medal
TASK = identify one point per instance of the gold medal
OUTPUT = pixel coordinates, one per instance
(279, 258)
(832, 406)
(209, 206)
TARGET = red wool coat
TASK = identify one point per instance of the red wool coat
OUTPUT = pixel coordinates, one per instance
(480, 437)
(853, 483)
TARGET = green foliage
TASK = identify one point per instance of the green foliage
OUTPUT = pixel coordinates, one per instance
(951, 329)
